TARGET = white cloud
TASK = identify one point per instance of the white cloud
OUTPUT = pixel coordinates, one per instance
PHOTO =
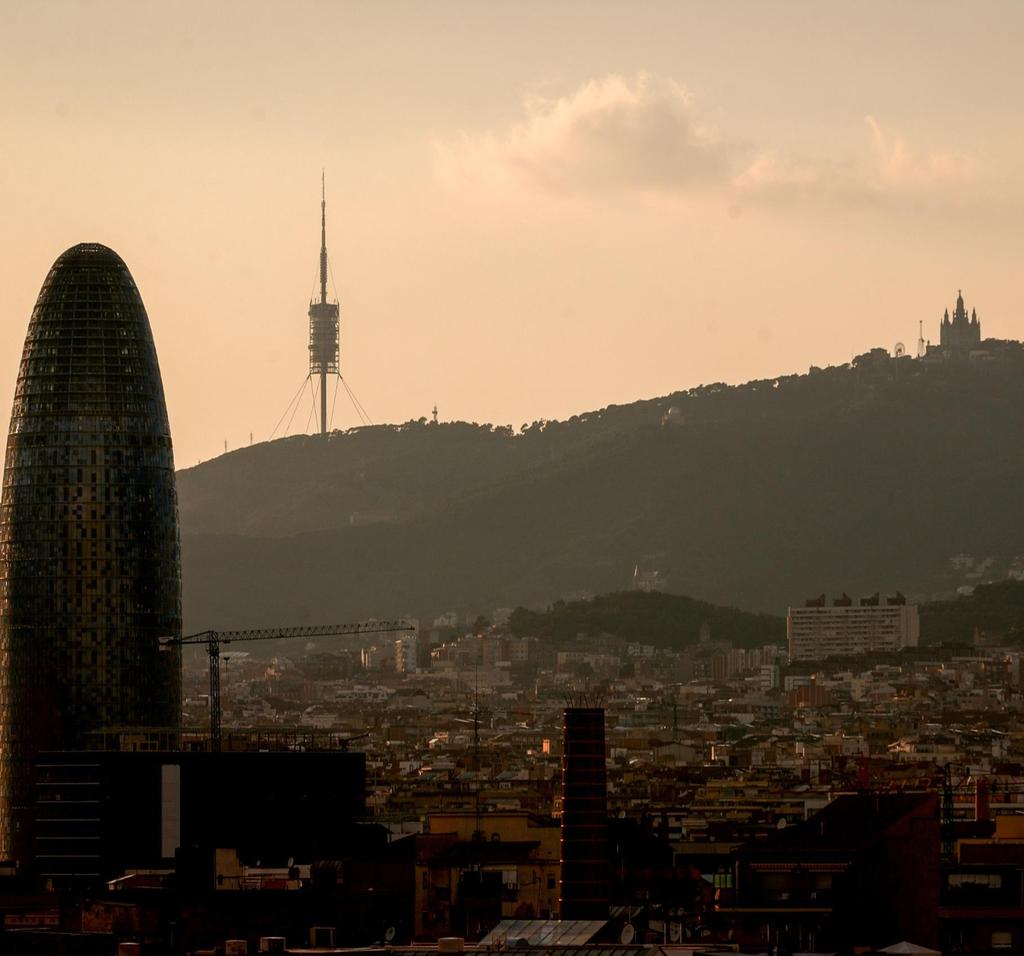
(889, 171)
(771, 171)
(611, 134)
(642, 134)
(898, 166)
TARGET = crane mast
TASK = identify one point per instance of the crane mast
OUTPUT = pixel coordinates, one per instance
(214, 639)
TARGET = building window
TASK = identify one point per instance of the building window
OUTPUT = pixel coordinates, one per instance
(987, 881)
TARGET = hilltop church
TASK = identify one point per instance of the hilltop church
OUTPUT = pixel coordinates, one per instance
(959, 336)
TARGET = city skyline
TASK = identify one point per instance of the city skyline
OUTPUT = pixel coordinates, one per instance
(517, 232)
(682, 573)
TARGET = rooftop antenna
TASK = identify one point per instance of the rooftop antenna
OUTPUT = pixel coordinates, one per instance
(476, 721)
(477, 831)
(921, 347)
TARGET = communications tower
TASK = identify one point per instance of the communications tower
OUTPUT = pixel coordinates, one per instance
(323, 352)
(323, 322)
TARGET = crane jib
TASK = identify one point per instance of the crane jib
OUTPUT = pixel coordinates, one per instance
(280, 633)
(214, 639)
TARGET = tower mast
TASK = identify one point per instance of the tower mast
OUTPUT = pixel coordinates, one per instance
(323, 321)
(323, 238)
(323, 293)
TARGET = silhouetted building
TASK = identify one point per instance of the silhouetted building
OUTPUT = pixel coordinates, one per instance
(206, 814)
(960, 334)
(89, 554)
(959, 338)
(982, 905)
(860, 874)
(585, 879)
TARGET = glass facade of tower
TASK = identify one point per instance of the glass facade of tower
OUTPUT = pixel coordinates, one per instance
(89, 552)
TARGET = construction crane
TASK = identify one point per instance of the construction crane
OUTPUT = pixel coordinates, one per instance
(214, 639)
(948, 827)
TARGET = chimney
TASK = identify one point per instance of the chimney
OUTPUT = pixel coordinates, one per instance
(584, 892)
(982, 808)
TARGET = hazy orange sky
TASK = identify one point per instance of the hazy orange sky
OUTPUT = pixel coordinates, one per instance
(534, 209)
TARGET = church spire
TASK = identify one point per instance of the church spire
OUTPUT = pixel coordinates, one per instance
(961, 333)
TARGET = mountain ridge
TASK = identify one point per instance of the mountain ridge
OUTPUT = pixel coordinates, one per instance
(883, 474)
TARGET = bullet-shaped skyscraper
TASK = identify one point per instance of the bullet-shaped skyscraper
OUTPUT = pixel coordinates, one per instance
(90, 574)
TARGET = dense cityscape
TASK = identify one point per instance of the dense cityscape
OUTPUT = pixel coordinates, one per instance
(734, 669)
(516, 779)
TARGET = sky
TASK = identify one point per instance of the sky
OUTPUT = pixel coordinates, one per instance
(534, 209)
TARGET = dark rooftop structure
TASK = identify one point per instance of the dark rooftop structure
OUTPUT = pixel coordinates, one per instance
(845, 824)
(862, 872)
(174, 810)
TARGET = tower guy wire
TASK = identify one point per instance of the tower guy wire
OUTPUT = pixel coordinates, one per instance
(324, 349)
(288, 407)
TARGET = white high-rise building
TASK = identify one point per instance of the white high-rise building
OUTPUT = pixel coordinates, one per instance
(405, 655)
(819, 631)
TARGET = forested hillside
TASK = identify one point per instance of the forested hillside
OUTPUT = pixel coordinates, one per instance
(663, 620)
(882, 475)
(992, 611)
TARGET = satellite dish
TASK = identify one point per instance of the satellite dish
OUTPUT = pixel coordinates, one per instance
(899, 349)
(627, 935)
(389, 934)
